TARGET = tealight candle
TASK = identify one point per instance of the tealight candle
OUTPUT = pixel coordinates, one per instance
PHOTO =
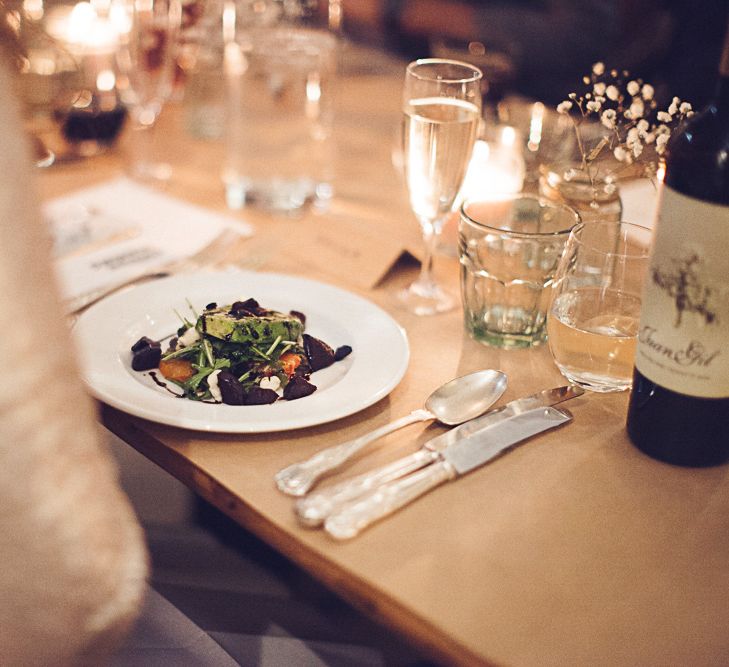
(496, 167)
(95, 116)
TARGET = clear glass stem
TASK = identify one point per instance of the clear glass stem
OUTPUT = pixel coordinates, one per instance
(141, 164)
(425, 296)
(425, 282)
(142, 136)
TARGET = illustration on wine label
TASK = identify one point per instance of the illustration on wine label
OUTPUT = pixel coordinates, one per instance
(682, 280)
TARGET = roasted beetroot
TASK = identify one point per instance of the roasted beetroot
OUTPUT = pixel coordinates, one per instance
(247, 308)
(144, 342)
(146, 354)
(341, 352)
(298, 387)
(320, 354)
(231, 390)
(258, 396)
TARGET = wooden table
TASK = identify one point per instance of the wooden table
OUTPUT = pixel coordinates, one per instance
(574, 549)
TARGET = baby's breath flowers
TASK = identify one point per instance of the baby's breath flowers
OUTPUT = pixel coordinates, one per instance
(636, 132)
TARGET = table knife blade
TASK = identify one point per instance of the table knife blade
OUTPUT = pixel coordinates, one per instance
(474, 451)
(454, 461)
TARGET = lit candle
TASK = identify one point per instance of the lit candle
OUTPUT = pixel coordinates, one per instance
(95, 115)
(92, 40)
(496, 167)
(536, 125)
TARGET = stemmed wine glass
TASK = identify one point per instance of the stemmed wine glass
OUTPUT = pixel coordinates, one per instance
(149, 32)
(442, 112)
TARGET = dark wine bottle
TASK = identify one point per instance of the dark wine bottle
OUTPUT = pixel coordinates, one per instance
(679, 404)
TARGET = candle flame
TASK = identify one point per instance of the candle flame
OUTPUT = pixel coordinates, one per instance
(105, 80)
(508, 136)
(535, 127)
(496, 168)
(83, 29)
(80, 23)
(229, 15)
(33, 9)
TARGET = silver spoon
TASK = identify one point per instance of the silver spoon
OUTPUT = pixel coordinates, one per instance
(453, 403)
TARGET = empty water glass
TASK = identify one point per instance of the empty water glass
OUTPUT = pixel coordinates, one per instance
(509, 250)
(279, 119)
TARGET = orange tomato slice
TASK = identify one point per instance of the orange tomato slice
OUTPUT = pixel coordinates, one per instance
(179, 370)
(290, 362)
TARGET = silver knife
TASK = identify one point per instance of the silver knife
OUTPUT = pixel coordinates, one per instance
(314, 509)
(458, 459)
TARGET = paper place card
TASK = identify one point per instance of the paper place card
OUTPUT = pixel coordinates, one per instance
(121, 229)
(76, 229)
(354, 242)
(352, 252)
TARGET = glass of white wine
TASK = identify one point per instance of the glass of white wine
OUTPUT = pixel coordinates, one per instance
(442, 113)
(592, 324)
(149, 39)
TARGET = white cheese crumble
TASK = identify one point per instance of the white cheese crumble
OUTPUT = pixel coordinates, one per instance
(270, 383)
(192, 335)
(213, 386)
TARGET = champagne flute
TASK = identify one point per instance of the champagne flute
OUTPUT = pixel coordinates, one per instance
(442, 112)
(146, 58)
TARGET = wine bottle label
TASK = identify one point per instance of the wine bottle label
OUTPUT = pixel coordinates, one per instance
(683, 340)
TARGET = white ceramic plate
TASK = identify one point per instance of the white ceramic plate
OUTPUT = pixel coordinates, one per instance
(105, 333)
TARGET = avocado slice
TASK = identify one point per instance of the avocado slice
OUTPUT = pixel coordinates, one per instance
(261, 330)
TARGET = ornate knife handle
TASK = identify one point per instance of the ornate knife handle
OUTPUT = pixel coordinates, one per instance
(298, 478)
(314, 509)
(352, 518)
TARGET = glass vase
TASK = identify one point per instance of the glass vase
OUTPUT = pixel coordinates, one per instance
(596, 199)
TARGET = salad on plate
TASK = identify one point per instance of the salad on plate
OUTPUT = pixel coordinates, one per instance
(237, 354)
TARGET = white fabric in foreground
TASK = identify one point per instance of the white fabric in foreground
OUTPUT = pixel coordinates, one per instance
(72, 553)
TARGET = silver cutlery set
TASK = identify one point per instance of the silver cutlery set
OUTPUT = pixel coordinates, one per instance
(347, 508)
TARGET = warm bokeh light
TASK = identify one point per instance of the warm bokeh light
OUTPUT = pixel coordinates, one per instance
(105, 80)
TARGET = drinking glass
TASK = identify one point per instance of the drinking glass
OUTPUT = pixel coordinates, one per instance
(592, 324)
(596, 199)
(280, 117)
(442, 112)
(509, 249)
(149, 32)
